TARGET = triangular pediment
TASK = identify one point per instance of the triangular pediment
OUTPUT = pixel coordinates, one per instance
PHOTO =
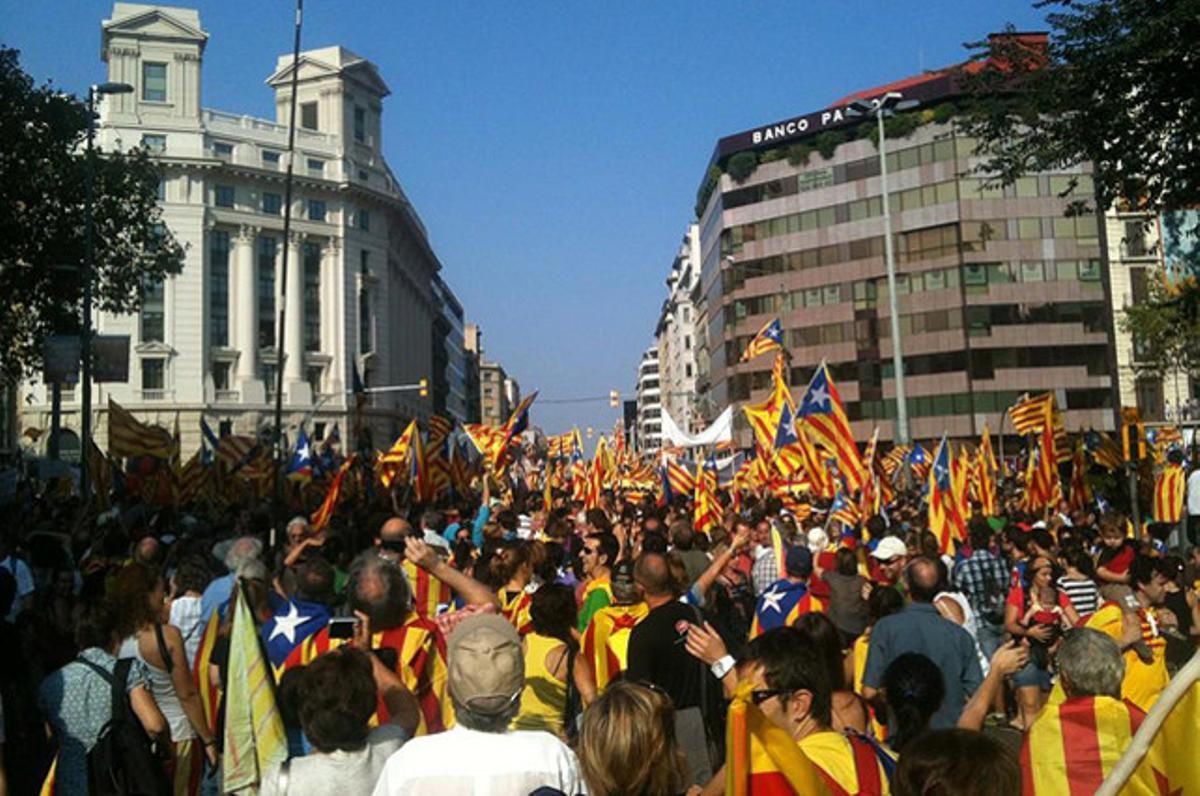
(314, 68)
(310, 69)
(155, 23)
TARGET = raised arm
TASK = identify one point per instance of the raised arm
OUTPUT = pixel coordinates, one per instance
(474, 592)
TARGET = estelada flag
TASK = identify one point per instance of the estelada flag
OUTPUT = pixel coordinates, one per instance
(762, 759)
(606, 639)
(324, 512)
(1171, 764)
(782, 605)
(945, 522)
(1168, 494)
(822, 412)
(516, 610)
(764, 416)
(1071, 747)
(769, 338)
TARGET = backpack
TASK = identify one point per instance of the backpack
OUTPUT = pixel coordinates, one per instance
(123, 762)
(994, 596)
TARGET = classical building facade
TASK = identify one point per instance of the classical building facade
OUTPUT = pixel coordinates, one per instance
(999, 291)
(649, 402)
(675, 334)
(361, 273)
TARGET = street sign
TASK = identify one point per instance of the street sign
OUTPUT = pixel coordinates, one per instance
(60, 357)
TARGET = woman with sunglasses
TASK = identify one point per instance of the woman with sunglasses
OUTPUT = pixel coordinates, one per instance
(1039, 611)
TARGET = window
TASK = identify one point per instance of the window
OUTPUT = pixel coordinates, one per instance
(154, 142)
(308, 115)
(687, 342)
(316, 167)
(687, 314)
(152, 311)
(272, 204)
(270, 158)
(312, 297)
(364, 321)
(1029, 228)
(222, 149)
(687, 370)
(364, 220)
(160, 191)
(266, 292)
(153, 377)
(364, 263)
(218, 288)
(362, 175)
(360, 124)
(313, 375)
(220, 374)
(223, 196)
(1135, 239)
(225, 428)
(316, 210)
(270, 378)
(154, 82)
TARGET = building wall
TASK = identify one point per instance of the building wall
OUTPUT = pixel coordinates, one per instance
(493, 402)
(675, 334)
(449, 380)
(473, 355)
(999, 293)
(649, 402)
(369, 263)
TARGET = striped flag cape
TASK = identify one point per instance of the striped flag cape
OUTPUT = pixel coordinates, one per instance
(128, 436)
(320, 518)
(1079, 495)
(945, 522)
(289, 627)
(516, 610)
(234, 451)
(1168, 494)
(191, 478)
(762, 759)
(769, 338)
(439, 430)
(208, 687)
(1103, 450)
(254, 738)
(606, 639)
(429, 594)
(395, 463)
(1031, 414)
(420, 662)
(1071, 747)
(894, 458)
(1171, 764)
(822, 413)
(782, 605)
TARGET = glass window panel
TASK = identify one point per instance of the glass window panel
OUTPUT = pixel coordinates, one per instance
(947, 192)
(1033, 271)
(1064, 227)
(1029, 228)
(154, 82)
(832, 294)
(1026, 187)
(218, 287)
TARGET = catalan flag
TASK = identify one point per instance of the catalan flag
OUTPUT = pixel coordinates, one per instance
(1031, 414)
(606, 639)
(1079, 496)
(516, 610)
(894, 458)
(300, 466)
(762, 759)
(488, 440)
(1168, 494)
(823, 414)
(945, 522)
(782, 604)
(1071, 747)
(430, 595)
(324, 512)
(844, 511)
(439, 430)
(235, 451)
(708, 511)
(1103, 450)
(254, 738)
(985, 484)
(680, 477)
(763, 417)
(769, 338)
(128, 436)
(1171, 765)
(1042, 485)
(208, 687)
(985, 449)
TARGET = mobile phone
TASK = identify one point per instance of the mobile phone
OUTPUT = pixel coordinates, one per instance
(342, 627)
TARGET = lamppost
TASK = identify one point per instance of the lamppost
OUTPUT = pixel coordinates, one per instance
(85, 335)
(882, 107)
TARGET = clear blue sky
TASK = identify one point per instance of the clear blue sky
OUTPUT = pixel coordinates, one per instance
(554, 149)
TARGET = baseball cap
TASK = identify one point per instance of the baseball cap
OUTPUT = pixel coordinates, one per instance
(487, 667)
(889, 547)
(798, 561)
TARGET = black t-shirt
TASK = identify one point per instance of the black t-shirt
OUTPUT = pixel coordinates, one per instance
(658, 655)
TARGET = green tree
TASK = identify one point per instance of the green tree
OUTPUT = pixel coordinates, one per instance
(1166, 335)
(42, 212)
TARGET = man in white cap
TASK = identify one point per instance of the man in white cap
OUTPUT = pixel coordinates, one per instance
(480, 754)
(890, 554)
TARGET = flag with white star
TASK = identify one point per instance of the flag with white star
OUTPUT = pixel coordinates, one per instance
(822, 413)
(300, 466)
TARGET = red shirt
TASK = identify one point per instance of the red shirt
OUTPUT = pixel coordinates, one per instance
(1016, 598)
(1117, 560)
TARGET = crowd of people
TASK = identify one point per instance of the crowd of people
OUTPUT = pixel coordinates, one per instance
(497, 644)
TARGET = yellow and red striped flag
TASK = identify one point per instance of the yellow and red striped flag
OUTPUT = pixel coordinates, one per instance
(769, 338)
(822, 412)
(324, 512)
(1079, 494)
(707, 513)
(762, 759)
(764, 416)
(1071, 747)
(429, 594)
(1168, 494)
(1043, 487)
(1031, 414)
(945, 521)
(128, 436)
(1168, 766)
(606, 639)
(208, 687)
(985, 484)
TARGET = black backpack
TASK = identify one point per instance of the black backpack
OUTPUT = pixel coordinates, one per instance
(123, 761)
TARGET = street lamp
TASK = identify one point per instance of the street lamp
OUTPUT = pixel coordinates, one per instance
(85, 336)
(882, 107)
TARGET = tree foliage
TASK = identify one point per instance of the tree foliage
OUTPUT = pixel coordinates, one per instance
(42, 220)
(1165, 332)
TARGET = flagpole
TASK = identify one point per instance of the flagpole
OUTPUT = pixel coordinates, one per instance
(280, 354)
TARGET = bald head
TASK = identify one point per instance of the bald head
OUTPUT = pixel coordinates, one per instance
(653, 574)
(148, 552)
(394, 530)
(922, 580)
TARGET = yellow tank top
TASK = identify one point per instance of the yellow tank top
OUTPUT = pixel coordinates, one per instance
(545, 696)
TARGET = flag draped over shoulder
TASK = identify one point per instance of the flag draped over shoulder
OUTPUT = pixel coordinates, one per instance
(208, 687)
(128, 436)
(762, 759)
(606, 639)
(1168, 494)
(769, 338)
(1071, 747)
(255, 738)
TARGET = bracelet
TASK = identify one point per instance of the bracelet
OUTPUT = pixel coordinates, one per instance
(722, 666)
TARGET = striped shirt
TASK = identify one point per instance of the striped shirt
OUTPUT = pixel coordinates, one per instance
(1083, 594)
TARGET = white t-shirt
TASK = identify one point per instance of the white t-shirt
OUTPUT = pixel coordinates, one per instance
(338, 772)
(463, 762)
(1193, 493)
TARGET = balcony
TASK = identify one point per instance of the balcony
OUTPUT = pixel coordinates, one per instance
(227, 396)
(248, 127)
(157, 395)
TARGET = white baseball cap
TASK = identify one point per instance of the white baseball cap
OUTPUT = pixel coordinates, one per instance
(889, 547)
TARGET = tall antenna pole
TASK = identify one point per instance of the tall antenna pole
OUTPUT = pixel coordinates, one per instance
(280, 453)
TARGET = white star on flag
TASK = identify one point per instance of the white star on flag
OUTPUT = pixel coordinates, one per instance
(819, 397)
(286, 625)
(771, 600)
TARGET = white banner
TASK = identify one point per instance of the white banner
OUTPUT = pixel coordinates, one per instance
(721, 430)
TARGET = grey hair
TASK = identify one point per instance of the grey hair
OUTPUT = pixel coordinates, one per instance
(251, 569)
(243, 549)
(297, 520)
(1090, 663)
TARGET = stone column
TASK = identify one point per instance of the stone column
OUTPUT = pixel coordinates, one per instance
(243, 298)
(293, 333)
(332, 311)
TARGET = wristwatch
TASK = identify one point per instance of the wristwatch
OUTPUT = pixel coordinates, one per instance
(722, 666)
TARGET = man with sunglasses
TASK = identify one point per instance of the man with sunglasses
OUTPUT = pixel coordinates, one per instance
(598, 556)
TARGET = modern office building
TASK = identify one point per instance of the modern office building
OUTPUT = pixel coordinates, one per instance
(449, 382)
(494, 406)
(473, 351)
(675, 334)
(360, 270)
(649, 402)
(999, 292)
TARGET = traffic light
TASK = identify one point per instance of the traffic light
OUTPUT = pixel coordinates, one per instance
(1133, 435)
(424, 388)
(614, 398)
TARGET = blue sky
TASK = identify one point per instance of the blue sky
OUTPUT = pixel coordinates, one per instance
(553, 150)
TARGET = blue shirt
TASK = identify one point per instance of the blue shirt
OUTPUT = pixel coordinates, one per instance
(481, 518)
(921, 629)
(216, 596)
